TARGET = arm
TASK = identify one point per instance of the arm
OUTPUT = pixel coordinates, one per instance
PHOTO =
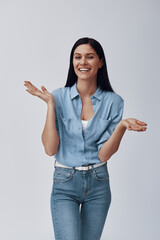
(50, 138)
(112, 144)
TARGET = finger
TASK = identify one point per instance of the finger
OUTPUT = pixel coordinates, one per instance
(141, 123)
(29, 91)
(28, 82)
(143, 129)
(43, 89)
(135, 127)
(30, 85)
(129, 127)
(139, 129)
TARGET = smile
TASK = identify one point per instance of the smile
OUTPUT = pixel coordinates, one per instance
(84, 69)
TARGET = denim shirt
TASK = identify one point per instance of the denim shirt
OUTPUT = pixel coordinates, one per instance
(75, 147)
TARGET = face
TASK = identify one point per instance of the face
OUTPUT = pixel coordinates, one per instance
(86, 62)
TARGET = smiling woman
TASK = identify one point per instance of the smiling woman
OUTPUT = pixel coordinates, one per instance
(83, 129)
(86, 63)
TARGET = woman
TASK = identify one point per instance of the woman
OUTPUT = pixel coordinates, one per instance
(83, 129)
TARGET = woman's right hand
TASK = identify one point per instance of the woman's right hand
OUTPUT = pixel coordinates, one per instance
(45, 95)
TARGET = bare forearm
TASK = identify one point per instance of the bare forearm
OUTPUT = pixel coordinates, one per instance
(112, 144)
(50, 136)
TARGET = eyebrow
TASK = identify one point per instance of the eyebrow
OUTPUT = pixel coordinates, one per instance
(87, 53)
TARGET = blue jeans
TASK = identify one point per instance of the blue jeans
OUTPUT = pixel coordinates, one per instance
(80, 200)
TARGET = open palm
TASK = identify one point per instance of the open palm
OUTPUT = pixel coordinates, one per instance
(44, 94)
(134, 124)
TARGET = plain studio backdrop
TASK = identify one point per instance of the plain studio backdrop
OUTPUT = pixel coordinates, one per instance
(35, 44)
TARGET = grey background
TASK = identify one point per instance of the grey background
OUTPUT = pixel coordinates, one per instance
(35, 44)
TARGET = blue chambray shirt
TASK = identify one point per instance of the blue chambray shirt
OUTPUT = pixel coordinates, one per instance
(75, 147)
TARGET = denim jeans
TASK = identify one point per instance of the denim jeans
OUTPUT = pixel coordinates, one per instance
(79, 202)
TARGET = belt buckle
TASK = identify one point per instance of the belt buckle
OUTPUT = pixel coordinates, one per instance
(86, 166)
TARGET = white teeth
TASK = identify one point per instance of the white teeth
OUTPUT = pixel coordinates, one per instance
(84, 69)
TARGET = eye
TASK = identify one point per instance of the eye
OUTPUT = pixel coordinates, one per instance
(88, 57)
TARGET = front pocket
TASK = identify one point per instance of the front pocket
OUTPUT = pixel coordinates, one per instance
(62, 175)
(101, 173)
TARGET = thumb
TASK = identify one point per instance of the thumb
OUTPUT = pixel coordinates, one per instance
(43, 88)
(129, 127)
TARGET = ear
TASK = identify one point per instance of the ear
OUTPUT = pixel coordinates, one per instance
(101, 63)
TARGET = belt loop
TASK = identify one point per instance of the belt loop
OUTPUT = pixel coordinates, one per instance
(93, 169)
(74, 169)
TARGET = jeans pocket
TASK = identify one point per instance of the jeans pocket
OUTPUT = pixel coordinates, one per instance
(62, 174)
(101, 173)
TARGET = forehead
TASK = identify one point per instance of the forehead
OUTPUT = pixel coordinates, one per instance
(84, 49)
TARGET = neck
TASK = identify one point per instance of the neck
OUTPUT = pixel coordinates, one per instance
(86, 88)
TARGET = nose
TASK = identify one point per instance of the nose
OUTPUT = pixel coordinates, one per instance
(83, 60)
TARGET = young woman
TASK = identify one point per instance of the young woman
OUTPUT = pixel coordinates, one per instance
(83, 129)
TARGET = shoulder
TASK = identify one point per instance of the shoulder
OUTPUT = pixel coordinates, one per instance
(114, 101)
(60, 91)
(117, 103)
(60, 95)
(113, 97)
(56, 92)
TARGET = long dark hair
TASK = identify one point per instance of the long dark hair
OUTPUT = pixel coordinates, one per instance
(102, 75)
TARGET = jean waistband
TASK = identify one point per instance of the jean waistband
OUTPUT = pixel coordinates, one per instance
(86, 167)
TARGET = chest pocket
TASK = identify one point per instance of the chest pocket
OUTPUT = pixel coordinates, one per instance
(102, 126)
(66, 130)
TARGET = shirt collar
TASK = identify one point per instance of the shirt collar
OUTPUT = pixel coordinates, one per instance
(74, 92)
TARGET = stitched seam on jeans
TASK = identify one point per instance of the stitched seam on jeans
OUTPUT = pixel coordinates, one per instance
(56, 224)
(101, 179)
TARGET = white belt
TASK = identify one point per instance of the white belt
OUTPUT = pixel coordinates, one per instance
(87, 167)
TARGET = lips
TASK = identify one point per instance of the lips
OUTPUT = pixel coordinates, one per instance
(84, 69)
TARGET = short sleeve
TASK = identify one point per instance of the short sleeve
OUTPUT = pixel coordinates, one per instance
(116, 116)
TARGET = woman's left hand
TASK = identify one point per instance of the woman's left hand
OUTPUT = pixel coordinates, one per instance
(134, 124)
